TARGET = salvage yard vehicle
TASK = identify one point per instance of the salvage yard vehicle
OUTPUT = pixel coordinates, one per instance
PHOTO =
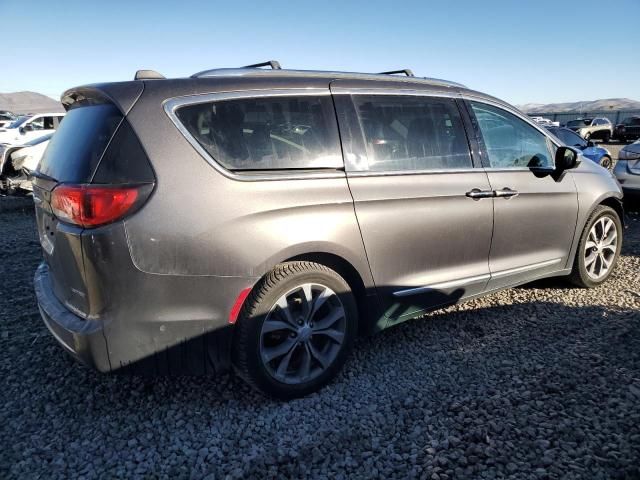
(627, 169)
(29, 127)
(6, 118)
(18, 162)
(592, 128)
(309, 207)
(590, 150)
(629, 129)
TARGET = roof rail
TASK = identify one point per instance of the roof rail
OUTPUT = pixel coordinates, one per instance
(407, 71)
(274, 64)
(148, 75)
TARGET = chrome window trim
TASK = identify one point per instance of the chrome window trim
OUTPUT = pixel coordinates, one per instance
(525, 268)
(170, 106)
(387, 173)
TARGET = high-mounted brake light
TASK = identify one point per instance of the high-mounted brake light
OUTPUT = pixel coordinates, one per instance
(92, 205)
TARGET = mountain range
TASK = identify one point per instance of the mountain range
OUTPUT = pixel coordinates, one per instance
(29, 102)
(584, 106)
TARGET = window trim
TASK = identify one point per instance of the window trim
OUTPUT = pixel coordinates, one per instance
(454, 97)
(171, 105)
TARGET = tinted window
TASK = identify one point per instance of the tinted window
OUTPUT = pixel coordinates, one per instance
(267, 133)
(411, 133)
(74, 151)
(579, 123)
(510, 141)
(569, 137)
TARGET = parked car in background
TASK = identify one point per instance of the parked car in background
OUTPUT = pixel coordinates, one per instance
(6, 118)
(29, 127)
(592, 151)
(545, 121)
(629, 129)
(18, 162)
(627, 169)
(308, 207)
(592, 128)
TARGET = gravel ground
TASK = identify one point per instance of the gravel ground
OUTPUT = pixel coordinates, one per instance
(541, 381)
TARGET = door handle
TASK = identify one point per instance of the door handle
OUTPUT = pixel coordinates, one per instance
(477, 194)
(506, 192)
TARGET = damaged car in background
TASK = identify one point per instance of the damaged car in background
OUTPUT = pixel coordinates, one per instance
(17, 162)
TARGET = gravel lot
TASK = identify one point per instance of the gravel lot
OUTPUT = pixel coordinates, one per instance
(541, 381)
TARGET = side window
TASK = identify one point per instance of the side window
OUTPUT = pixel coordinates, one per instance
(47, 123)
(509, 141)
(570, 138)
(411, 133)
(298, 132)
(37, 124)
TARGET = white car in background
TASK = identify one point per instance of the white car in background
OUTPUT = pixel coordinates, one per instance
(545, 122)
(29, 127)
(17, 162)
(6, 118)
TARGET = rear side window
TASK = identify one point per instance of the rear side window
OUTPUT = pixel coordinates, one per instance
(75, 150)
(270, 133)
(411, 133)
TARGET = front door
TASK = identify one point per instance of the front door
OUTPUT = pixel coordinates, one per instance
(535, 213)
(424, 211)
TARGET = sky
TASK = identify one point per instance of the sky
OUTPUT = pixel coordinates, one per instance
(521, 51)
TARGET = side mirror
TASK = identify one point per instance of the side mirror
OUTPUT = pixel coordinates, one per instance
(21, 130)
(566, 159)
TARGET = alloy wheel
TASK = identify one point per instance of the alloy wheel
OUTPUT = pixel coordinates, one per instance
(601, 247)
(302, 334)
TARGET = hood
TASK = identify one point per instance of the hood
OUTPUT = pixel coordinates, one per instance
(633, 147)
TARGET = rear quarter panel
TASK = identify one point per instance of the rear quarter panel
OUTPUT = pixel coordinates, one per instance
(200, 222)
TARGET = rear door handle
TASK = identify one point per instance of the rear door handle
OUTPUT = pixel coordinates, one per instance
(506, 193)
(477, 194)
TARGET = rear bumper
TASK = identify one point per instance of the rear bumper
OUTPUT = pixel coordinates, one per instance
(84, 339)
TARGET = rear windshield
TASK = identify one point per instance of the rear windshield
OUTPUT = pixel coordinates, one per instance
(266, 133)
(579, 123)
(79, 142)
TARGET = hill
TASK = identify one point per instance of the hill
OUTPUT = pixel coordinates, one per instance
(585, 106)
(29, 102)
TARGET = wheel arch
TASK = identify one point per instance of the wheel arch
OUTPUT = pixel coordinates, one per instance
(366, 299)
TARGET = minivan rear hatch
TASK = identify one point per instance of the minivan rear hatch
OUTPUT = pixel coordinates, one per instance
(94, 150)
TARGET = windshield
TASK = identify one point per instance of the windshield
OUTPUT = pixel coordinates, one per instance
(583, 122)
(18, 121)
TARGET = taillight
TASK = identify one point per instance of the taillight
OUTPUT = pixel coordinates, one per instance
(94, 205)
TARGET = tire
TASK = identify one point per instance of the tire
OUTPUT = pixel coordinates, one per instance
(581, 275)
(606, 137)
(280, 351)
(606, 162)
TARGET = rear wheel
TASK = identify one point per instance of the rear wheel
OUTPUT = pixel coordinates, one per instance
(295, 330)
(599, 248)
(606, 162)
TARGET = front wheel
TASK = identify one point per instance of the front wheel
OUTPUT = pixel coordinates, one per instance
(295, 330)
(599, 248)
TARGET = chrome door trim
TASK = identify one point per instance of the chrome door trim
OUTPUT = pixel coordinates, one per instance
(384, 173)
(443, 285)
(525, 268)
(170, 106)
(409, 92)
(461, 282)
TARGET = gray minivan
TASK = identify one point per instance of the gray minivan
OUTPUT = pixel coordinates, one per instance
(263, 218)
